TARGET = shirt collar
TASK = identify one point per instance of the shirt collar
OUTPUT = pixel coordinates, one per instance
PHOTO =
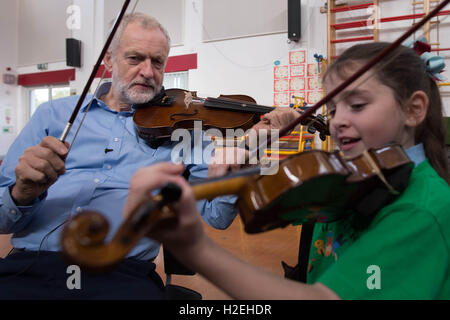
(416, 154)
(101, 90)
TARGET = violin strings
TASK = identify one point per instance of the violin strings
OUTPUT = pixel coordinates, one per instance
(135, 5)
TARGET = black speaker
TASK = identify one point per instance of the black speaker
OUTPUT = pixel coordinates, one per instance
(73, 52)
(294, 19)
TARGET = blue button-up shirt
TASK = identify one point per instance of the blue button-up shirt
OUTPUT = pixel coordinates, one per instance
(95, 179)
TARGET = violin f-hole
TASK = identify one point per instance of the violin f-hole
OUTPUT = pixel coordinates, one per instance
(172, 117)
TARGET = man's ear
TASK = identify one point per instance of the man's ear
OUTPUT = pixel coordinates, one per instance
(108, 61)
(416, 109)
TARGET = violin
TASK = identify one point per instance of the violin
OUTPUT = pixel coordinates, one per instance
(264, 202)
(177, 108)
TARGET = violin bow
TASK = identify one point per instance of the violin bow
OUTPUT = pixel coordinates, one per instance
(94, 72)
(265, 144)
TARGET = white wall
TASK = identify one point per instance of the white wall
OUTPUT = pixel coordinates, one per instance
(8, 58)
(243, 65)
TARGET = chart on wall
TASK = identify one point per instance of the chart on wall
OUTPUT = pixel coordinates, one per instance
(7, 121)
(297, 81)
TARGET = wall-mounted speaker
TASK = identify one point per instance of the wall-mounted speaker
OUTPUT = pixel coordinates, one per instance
(294, 19)
(73, 52)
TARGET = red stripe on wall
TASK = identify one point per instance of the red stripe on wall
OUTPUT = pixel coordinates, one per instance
(50, 77)
(100, 72)
(181, 63)
(174, 64)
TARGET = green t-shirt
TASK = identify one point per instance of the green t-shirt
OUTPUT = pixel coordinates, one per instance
(403, 253)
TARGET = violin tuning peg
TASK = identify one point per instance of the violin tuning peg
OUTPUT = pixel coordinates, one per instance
(322, 136)
(311, 129)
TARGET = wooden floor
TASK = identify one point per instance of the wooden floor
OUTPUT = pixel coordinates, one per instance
(266, 250)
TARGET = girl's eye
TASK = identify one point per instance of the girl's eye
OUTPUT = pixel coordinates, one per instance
(331, 113)
(357, 106)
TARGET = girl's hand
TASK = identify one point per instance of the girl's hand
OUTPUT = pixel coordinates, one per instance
(187, 232)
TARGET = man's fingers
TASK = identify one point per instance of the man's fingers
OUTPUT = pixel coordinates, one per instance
(33, 167)
(56, 146)
(43, 166)
(54, 160)
(30, 175)
(217, 170)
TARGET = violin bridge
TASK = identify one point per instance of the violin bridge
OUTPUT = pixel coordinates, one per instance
(187, 98)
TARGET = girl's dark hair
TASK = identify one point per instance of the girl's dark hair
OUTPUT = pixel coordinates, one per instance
(404, 72)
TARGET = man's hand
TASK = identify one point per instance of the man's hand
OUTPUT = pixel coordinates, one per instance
(279, 118)
(232, 158)
(226, 159)
(38, 168)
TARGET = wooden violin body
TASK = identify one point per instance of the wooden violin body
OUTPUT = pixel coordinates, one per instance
(311, 186)
(317, 186)
(180, 109)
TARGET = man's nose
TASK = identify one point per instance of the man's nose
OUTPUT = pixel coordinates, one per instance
(146, 69)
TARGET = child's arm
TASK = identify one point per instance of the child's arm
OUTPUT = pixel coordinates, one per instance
(188, 242)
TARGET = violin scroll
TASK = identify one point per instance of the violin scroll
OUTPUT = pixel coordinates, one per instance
(83, 239)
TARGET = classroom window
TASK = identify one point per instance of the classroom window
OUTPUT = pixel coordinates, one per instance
(177, 80)
(41, 95)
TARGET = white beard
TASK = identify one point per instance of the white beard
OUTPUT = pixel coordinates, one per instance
(131, 95)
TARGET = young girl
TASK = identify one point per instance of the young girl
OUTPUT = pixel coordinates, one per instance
(404, 251)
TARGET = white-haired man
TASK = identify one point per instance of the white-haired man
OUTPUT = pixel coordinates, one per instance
(42, 186)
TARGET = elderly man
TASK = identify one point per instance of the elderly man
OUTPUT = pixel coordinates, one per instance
(42, 185)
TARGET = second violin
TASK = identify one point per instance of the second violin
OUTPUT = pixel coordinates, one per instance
(177, 108)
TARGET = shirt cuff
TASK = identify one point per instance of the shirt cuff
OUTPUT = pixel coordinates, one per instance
(16, 211)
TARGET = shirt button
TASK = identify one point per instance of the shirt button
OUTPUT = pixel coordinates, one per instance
(116, 139)
(13, 211)
(79, 209)
(108, 166)
(96, 180)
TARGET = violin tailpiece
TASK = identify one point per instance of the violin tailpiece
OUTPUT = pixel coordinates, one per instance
(378, 172)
